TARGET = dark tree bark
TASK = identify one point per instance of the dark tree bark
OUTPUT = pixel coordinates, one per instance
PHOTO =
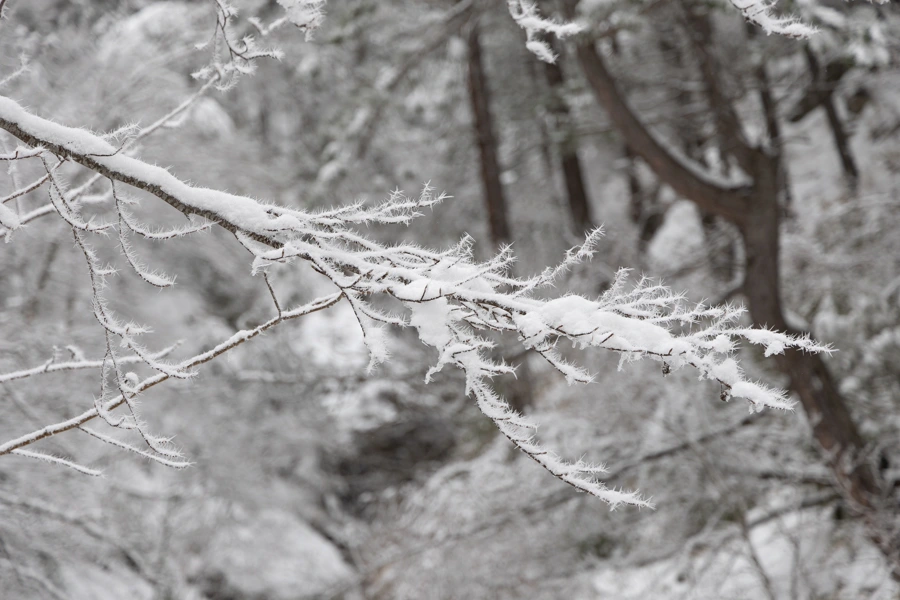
(518, 391)
(825, 84)
(729, 132)
(686, 178)
(567, 146)
(773, 126)
(644, 205)
(483, 121)
(755, 210)
(832, 425)
(696, 26)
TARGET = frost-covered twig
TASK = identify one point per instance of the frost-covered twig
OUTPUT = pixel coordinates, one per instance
(139, 387)
(26, 189)
(56, 460)
(21, 153)
(232, 59)
(23, 62)
(52, 366)
(526, 16)
(306, 15)
(760, 13)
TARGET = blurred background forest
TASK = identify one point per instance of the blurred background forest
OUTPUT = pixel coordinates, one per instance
(313, 480)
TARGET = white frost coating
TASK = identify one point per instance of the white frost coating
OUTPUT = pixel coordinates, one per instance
(776, 342)
(526, 16)
(8, 218)
(584, 319)
(774, 347)
(376, 342)
(759, 12)
(246, 213)
(721, 344)
(305, 14)
(727, 371)
(430, 319)
(759, 395)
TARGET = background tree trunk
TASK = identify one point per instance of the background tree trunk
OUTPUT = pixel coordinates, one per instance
(518, 391)
(756, 213)
(831, 422)
(483, 122)
(824, 87)
(567, 146)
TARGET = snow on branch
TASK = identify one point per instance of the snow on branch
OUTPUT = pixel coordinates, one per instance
(451, 300)
(78, 363)
(526, 16)
(105, 405)
(761, 13)
(232, 58)
(306, 15)
(56, 460)
(9, 219)
(758, 12)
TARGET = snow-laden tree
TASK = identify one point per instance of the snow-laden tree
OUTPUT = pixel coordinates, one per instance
(289, 420)
(451, 300)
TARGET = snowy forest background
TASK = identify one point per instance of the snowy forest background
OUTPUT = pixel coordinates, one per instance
(312, 477)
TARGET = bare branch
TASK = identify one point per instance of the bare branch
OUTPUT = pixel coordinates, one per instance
(51, 366)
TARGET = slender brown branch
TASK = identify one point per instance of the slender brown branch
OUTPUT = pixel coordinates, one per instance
(689, 180)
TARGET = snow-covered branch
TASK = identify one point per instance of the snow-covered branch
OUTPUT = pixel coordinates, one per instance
(527, 16)
(456, 304)
(137, 387)
(761, 13)
(448, 297)
(78, 363)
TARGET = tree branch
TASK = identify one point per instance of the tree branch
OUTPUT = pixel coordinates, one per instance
(725, 198)
(108, 161)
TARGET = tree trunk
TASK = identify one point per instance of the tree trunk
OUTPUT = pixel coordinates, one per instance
(729, 131)
(773, 127)
(644, 205)
(756, 213)
(479, 98)
(826, 86)
(518, 391)
(671, 167)
(826, 410)
(567, 146)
